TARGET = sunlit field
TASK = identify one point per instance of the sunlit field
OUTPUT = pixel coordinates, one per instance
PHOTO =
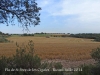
(66, 48)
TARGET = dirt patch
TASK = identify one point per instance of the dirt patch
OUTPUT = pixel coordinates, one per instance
(72, 64)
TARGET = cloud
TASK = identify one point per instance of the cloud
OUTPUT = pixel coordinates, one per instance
(85, 10)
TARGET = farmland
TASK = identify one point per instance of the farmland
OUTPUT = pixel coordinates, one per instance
(66, 48)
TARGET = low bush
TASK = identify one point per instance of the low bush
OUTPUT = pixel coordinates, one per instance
(3, 39)
(47, 36)
(91, 69)
(97, 39)
(26, 63)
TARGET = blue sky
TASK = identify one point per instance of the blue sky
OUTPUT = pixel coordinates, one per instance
(64, 16)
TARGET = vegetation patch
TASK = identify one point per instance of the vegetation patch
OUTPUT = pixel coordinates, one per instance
(3, 37)
(26, 63)
(3, 40)
(95, 36)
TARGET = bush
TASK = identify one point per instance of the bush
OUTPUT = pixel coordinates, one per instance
(47, 36)
(97, 39)
(86, 70)
(24, 60)
(96, 54)
(3, 40)
(91, 69)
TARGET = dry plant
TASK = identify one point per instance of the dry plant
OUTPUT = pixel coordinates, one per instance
(53, 48)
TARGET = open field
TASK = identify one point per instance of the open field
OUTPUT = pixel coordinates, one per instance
(54, 47)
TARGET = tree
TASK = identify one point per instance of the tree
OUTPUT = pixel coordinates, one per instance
(25, 12)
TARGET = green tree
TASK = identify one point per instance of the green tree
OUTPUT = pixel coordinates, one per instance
(25, 12)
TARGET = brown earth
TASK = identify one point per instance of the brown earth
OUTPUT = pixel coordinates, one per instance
(72, 64)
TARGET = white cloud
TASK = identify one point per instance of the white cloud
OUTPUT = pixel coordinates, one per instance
(86, 10)
(71, 15)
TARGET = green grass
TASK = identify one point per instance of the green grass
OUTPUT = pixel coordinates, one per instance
(41, 35)
(15, 35)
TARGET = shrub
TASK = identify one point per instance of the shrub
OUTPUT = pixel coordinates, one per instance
(96, 54)
(26, 60)
(3, 39)
(47, 36)
(97, 39)
(58, 65)
(91, 69)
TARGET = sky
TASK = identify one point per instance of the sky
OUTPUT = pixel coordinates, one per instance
(64, 16)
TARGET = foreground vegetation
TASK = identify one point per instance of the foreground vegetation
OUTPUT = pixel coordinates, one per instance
(24, 58)
(91, 69)
(28, 63)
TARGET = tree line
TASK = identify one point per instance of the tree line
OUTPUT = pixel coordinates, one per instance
(95, 36)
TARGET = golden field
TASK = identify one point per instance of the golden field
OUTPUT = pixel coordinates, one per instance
(54, 47)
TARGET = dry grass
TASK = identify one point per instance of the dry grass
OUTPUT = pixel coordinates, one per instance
(54, 47)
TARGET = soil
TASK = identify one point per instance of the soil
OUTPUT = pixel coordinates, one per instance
(71, 64)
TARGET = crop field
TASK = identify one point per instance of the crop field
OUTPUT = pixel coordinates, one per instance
(66, 48)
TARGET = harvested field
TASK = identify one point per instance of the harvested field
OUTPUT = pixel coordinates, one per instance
(54, 47)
